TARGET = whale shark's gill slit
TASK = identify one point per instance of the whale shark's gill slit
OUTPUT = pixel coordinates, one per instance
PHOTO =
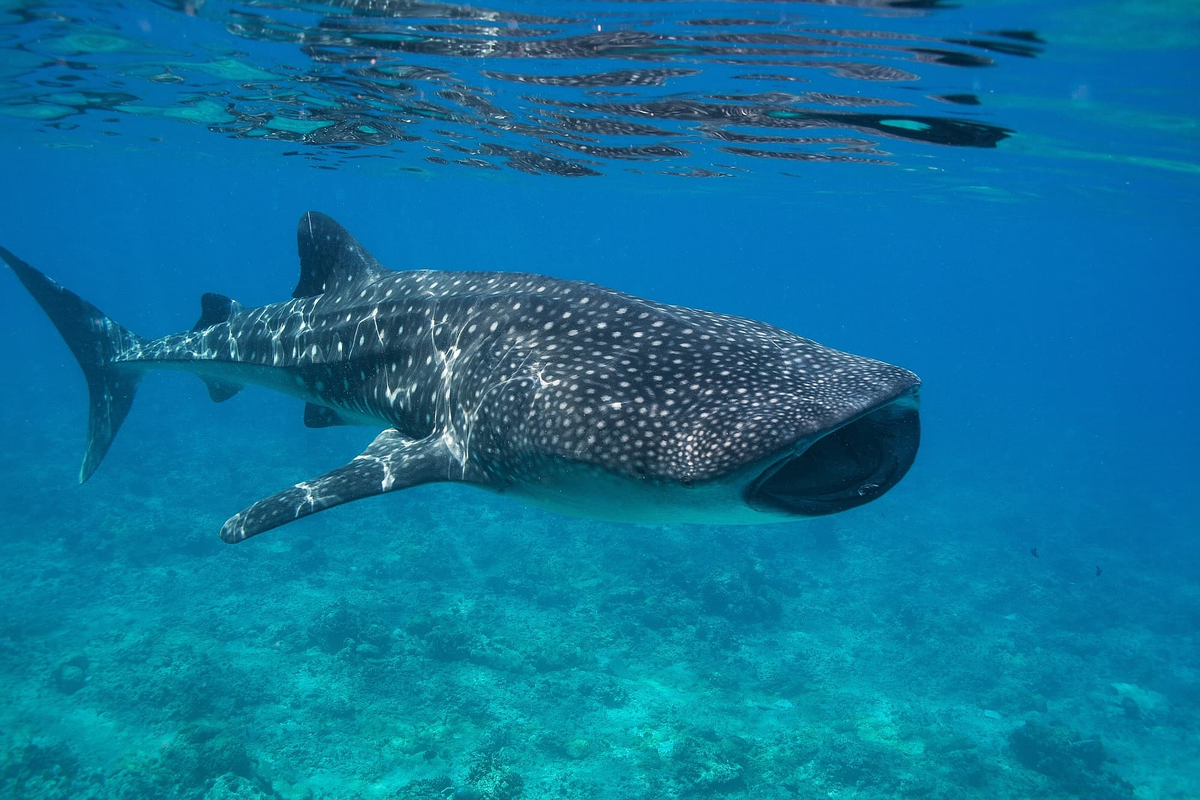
(460, 445)
(490, 385)
(374, 318)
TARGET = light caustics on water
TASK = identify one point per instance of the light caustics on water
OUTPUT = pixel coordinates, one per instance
(609, 86)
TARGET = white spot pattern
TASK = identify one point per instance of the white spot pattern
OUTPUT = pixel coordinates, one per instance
(633, 386)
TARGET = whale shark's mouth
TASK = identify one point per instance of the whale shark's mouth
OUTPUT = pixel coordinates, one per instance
(850, 466)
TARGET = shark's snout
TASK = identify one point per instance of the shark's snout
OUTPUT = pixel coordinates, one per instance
(846, 467)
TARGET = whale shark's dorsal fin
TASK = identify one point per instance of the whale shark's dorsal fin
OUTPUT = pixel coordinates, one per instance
(329, 257)
(215, 309)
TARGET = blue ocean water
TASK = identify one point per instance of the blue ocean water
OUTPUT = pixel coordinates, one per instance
(999, 196)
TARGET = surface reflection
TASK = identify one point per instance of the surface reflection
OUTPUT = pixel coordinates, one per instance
(597, 88)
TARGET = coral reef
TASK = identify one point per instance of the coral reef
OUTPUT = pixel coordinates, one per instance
(1073, 764)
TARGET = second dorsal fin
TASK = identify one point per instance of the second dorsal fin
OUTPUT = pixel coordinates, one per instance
(330, 257)
(215, 309)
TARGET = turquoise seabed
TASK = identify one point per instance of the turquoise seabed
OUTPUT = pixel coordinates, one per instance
(445, 643)
(1018, 618)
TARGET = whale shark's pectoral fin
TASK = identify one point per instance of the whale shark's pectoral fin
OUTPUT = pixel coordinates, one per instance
(391, 462)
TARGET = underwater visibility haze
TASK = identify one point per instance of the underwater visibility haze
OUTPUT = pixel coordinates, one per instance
(999, 197)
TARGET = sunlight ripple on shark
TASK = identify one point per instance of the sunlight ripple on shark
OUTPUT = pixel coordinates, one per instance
(563, 393)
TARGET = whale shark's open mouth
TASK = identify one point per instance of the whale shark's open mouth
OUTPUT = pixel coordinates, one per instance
(848, 467)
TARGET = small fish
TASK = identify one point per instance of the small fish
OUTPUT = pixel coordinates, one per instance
(1033, 552)
(1099, 572)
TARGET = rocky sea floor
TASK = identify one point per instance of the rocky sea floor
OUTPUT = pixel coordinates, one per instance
(443, 643)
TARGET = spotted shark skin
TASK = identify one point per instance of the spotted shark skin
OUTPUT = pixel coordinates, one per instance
(563, 393)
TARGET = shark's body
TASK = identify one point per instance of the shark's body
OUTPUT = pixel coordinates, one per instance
(564, 393)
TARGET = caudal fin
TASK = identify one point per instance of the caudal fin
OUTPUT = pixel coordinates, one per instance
(97, 343)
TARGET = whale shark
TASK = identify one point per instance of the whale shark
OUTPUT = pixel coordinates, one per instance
(561, 393)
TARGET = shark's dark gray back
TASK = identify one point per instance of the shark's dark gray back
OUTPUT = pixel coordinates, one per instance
(524, 368)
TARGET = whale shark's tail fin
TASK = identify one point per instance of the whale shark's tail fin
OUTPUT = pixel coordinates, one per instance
(97, 343)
